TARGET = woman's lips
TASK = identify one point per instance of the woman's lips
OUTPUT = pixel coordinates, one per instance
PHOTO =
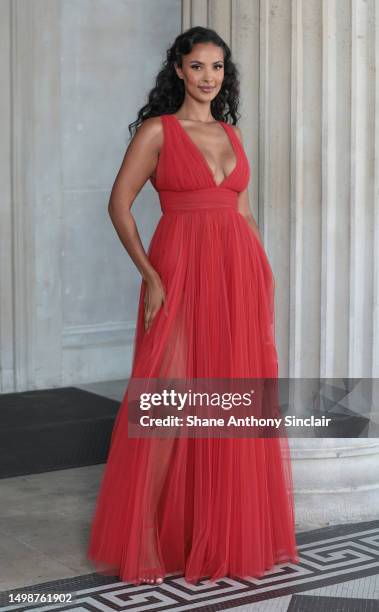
(207, 89)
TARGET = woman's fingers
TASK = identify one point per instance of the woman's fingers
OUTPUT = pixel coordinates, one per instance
(146, 314)
(147, 318)
(150, 311)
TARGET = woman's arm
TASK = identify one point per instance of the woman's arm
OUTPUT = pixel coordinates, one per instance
(243, 201)
(139, 162)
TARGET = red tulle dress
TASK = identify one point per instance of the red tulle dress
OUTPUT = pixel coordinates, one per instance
(203, 507)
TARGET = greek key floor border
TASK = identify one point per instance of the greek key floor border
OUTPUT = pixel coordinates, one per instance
(328, 556)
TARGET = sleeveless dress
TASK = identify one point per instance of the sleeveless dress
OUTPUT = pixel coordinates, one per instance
(203, 507)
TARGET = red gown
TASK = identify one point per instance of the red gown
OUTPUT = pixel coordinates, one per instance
(203, 507)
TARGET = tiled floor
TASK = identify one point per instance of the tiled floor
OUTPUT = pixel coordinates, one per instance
(338, 571)
(44, 524)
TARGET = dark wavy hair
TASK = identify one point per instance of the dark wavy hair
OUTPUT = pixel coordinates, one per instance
(168, 93)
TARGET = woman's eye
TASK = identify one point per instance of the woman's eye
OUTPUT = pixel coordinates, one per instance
(197, 66)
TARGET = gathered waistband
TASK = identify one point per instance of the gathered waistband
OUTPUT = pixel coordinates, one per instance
(198, 200)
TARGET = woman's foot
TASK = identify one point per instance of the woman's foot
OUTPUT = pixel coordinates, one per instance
(150, 558)
(157, 580)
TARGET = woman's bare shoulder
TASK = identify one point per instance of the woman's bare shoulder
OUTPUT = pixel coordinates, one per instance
(150, 132)
(151, 126)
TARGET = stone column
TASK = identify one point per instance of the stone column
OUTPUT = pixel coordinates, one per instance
(310, 121)
(30, 325)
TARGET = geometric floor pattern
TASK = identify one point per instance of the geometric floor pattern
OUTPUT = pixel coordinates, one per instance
(338, 572)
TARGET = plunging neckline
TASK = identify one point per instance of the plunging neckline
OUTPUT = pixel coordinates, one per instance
(202, 156)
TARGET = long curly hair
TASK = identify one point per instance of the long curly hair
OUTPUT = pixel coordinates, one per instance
(167, 95)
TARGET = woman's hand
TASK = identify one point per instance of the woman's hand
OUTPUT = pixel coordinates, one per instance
(155, 297)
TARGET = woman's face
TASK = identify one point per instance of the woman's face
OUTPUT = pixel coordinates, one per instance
(202, 71)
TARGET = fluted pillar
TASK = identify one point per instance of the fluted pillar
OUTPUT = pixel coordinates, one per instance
(31, 305)
(310, 121)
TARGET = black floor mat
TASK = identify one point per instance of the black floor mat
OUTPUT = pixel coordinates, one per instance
(53, 429)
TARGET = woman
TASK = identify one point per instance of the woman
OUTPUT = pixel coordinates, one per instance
(207, 507)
